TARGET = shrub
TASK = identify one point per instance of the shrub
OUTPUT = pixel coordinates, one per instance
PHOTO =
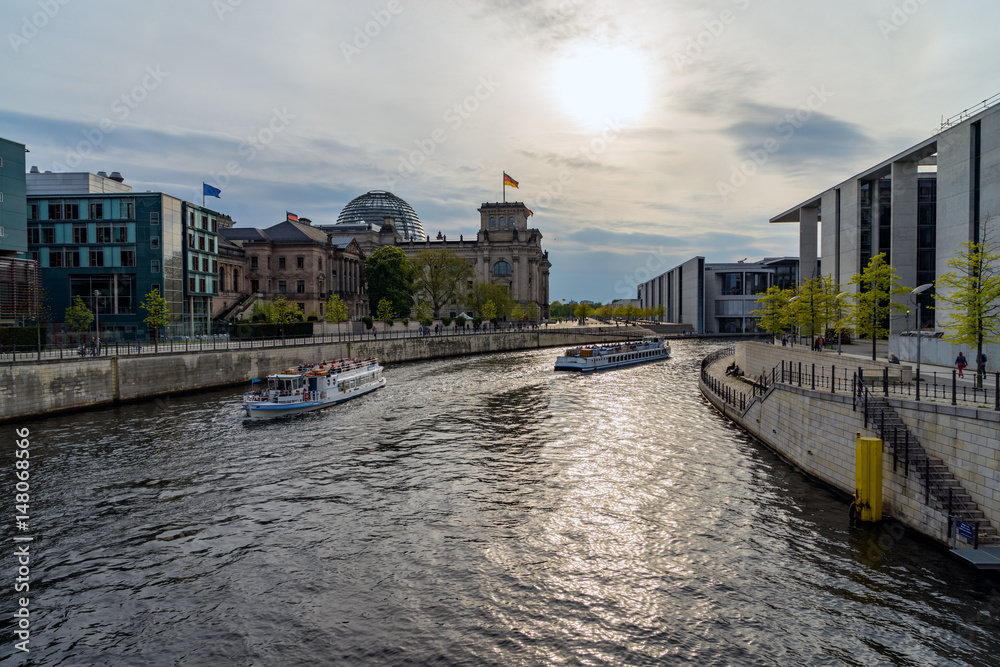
(368, 322)
(426, 322)
(460, 321)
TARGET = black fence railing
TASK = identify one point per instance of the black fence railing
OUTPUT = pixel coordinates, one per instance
(212, 343)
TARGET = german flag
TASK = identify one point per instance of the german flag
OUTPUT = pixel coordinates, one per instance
(291, 216)
(507, 180)
(530, 212)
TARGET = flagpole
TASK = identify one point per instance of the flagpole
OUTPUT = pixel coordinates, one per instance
(504, 179)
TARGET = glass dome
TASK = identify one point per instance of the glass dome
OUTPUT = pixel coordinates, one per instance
(370, 209)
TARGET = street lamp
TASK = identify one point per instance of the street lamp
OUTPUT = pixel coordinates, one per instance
(915, 293)
(840, 320)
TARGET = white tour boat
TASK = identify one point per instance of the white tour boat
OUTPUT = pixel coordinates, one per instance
(309, 388)
(602, 357)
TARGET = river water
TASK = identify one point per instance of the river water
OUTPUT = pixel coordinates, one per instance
(478, 511)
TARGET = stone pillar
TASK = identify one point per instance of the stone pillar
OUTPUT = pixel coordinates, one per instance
(904, 233)
(808, 230)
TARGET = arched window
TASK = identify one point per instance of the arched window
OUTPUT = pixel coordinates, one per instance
(493, 222)
(501, 269)
(510, 221)
(503, 221)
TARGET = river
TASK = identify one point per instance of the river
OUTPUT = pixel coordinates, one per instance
(475, 511)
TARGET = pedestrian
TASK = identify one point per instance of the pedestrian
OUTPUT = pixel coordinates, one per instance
(821, 343)
(982, 364)
(375, 332)
(961, 363)
(784, 341)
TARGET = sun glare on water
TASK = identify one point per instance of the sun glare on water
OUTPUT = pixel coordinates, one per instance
(602, 85)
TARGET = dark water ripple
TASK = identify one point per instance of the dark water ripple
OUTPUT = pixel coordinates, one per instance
(484, 511)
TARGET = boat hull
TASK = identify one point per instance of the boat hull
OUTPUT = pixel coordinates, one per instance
(258, 411)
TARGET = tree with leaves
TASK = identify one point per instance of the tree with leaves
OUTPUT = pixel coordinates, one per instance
(385, 312)
(971, 292)
(583, 311)
(533, 311)
(441, 276)
(873, 303)
(772, 315)
(489, 311)
(336, 311)
(389, 275)
(812, 307)
(518, 314)
(483, 291)
(79, 316)
(157, 313)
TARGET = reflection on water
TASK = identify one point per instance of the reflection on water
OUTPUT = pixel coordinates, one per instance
(474, 512)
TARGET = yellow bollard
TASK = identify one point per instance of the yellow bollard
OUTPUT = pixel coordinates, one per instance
(868, 478)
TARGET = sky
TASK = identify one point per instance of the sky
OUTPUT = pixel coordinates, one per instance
(642, 133)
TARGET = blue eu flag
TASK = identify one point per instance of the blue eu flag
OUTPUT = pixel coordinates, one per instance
(209, 191)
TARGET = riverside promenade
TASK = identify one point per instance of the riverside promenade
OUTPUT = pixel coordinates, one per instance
(31, 387)
(941, 457)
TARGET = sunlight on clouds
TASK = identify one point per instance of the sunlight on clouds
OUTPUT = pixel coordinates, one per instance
(598, 84)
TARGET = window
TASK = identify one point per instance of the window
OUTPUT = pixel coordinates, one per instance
(128, 210)
(79, 234)
(128, 257)
(254, 286)
(71, 210)
(33, 211)
(48, 235)
(211, 245)
(503, 221)
(194, 263)
(154, 242)
(191, 284)
(73, 257)
(253, 261)
(154, 266)
(96, 210)
(55, 210)
(97, 257)
(300, 287)
(215, 226)
(281, 262)
(33, 235)
(268, 262)
(190, 218)
(201, 243)
(215, 266)
(154, 218)
(493, 221)
(732, 283)
(56, 257)
(201, 285)
(501, 269)
(281, 287)
(300, 262)
(204, 225)
(104, 234)
(190, 240)
(236, 280)
(510, 221)
(320, 260)
(204, 264)
(121, 234)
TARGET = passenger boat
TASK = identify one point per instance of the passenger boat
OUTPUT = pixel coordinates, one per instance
(602, 357)
(308, 388)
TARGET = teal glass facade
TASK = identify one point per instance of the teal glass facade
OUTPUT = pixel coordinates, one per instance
(13, 226)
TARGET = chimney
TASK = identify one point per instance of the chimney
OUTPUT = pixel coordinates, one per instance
(102, 173)
(34, 170)
(116, 176)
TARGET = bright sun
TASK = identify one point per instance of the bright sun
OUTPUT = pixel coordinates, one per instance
(602, 85)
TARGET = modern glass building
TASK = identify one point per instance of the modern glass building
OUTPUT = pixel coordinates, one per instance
(13, 228)
(96, 239)
(368, 212)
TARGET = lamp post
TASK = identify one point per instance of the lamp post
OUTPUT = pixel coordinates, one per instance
(840, 318)
(97, 321)
(915, 293)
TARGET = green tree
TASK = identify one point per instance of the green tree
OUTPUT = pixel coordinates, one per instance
(518, 314)
(483, 291)
(336, 311)
(812, 308)
(582, 310)
(441, 276)
(489, 311)
(971, 293)
(877, 284)
(423, 313)
(79, 316)
(389, 275)
(157, 313)
(772, 314)
(533, 311)
(385, 312)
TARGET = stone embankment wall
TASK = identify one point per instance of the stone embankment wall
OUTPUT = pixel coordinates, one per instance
(47, 387)
(815, 431)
